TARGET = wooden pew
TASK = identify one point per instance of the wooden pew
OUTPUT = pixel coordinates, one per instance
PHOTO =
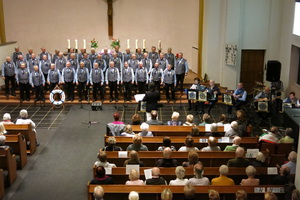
(209, 158)
(154, 142)
(168, 173)
(2, 189)
(153, 192)
(165, 130)
(18, 144)
(8, 162)
(26, 131)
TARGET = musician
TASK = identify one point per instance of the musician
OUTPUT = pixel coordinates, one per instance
(147, 62)
(101, 62)
(44, 52)
(162, 61)
(214, 91)
(133, 62)
(127, 55)
(141, 78)
(82, 80)
(127, 78)
(60, 62)
(73, 61)
(139, 54)
(292, 99)
(97, 81)
(93, 55)
(181, 68)
(22, 78)
(239, 95)
(264, 95)
(197, 86)
(9, 75)
(44, 68)
(87, 62)
(68, 79)
(156, 76)
(153, 55)
(72, 51)
(32, 62)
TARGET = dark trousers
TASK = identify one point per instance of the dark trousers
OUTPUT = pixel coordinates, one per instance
(96, 88)
(197, 105)
(113, 89)
(141, 87)
(39, 93)
(211, 105)
(24, 89)
(52, 86)
(179, 81)
(157, 85)
(46, 84)
(127, 90)
(237, 104)
(12, 81)
(81, 89)
(170, 87)
(69, 88)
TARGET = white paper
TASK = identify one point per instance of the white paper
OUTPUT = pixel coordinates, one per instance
(252, 153)
(275, 189)
(259, 190)
(139, 97)
(225, 139)
(227, 127)
(122, 154)
(207, 127)
(272, 171)
(108, 170)
(203, 140)
(129, 167)
(148, 173)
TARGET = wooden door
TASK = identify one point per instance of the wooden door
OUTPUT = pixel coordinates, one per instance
(252, 68)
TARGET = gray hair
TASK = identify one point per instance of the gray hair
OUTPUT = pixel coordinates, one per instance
(175, 115)
(261, 157)
(292, 156)
(214, 127)
(23, 113)
(250, 171)
(144, 126)
(223, 170)
(234, 125)
(98, 192)
(2, 139)
(6, 116)
(180, 172)
(133, 195)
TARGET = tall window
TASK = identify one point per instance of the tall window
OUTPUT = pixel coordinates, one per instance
(296, 29)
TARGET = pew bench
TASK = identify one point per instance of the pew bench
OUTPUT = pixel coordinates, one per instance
(8, 162)
(2, 188)
(18, 144)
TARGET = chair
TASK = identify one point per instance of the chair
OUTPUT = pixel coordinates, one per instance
(284, 148)
(277, 159)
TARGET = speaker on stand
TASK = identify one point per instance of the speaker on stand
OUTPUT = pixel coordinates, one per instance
(273, 71)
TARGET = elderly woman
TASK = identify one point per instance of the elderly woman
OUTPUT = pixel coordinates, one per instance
(25, 120)
(199, 179)
(193, 159)
(189, 120)
(127, 131)
(259, 161)
(234, 131)
(212, 145)
(250, 171)
(7, 119)
(222, 120)
(134, 159)
(166, 194)
(116, 127)
(133, 195)
(166, 143)
(103, 160)
(174, 121)
(292, 162)
(112, 145)
(180, 174)
(134, 178)
(145, 130)
(137, 144)
(189, 145)
(241, 195)
(205, 119)
(136, 119)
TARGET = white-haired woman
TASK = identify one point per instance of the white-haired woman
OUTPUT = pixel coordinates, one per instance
(189, 121)
(23, 119)
(134, 178)
(174, 121)
(145, 130)
(259, 161)
(133, 195)
(7, 119)
(251, 172)
(180, 174)
(292, 162)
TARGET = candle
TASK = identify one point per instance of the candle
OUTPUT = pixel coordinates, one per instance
(128, 45)
(144, 44)
(69, 44)
(136, 44)
(76, 44)
(159, 44)
(84, 43)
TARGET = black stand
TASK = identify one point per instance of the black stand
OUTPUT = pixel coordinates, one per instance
(81, 106)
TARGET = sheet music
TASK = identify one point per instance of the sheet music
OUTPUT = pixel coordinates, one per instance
(139, 97)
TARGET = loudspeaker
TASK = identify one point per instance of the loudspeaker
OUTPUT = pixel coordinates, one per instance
(97, 106)
(273, 70)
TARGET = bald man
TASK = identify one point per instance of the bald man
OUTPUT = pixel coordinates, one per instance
(235, 144)
(126, 55)
(98, 193)
(8, 75)
(32, 62)
(16, 54)
(156, 179)
(60, 62)
(239, 160)
(167, 161)
(264, 95)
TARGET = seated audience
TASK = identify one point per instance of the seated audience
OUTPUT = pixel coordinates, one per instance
(134, 178)
(103, 160)
(189, 192)
(239, 160)
(7, 119)
(189, 145)
(288, 136)
(222, 120)
(234, 131)
(199, 179)
(3, 145)
(222, 179)
(212, 145)
(145, 130)
(23, 119)
(205, 119)
(127, 131)
(154, 120)
(136, 119)
(189, 121)
(259, 161)
(167, 161)
(235, 144)
(283, 177)
(241, 120)
(156, 179)
(270, 196)
(134, 159)
(270, 137)
(213, 195)
(101, 178)
(174, 121)
(137, 144)
(180, 174)
(112, 145)
(98, 193)
(250, 171)
(214, 131)
(133, 195)
(166, 194)
(292, 158)
(166, 143)
(193, 159)
(2, 129)
(241, 195)
(295, 194)
(116, 127)
(195, 131)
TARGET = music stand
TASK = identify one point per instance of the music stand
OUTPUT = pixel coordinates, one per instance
(81, 107)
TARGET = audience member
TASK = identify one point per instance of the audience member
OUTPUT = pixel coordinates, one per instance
(136, 119)
(133, 195)
(250, 171)
(7, 119)
(180, 174)
(3, 145)
(166, 194)
(154, 120)
(103, 160)
(234, 131)
(189, 192)
(288, 136)
(195, 131)
(193, 159)
(214, 131)
(128, 131)
(241, 120)
(205, 119)
(134, 159)
(222, 120)
(116, 127)
(213, 195)
(241, 195)
(292, 158)
(112, 145)
(134, 178)
(189, 145)
(25, 120)
(283, 177)
(235, 144)
(101, 178)
(98, 193)
(189, 120)
(270, 137)
(270, 196)
(239, 160)
(145, 130)
(167, 161)
(222, 179)
(199, 179)
(166, 143)
(174, 121)
(212, 145)
(137, 144)
(156, 179)
(295, 194)
(259, 161)
(2, 129)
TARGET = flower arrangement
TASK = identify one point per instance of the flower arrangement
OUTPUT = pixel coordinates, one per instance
(115, 42)
(94, 43)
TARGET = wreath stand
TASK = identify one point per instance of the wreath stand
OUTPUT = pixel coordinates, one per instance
(57, 102)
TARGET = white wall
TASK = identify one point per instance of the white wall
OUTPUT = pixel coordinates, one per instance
(36, 23)
(5, 50)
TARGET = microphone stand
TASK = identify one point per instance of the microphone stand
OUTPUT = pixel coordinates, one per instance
(89, 122)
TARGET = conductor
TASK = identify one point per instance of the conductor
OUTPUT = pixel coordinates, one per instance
(151, 97)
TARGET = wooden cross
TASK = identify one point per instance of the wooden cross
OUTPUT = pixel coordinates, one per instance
(110, 17)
